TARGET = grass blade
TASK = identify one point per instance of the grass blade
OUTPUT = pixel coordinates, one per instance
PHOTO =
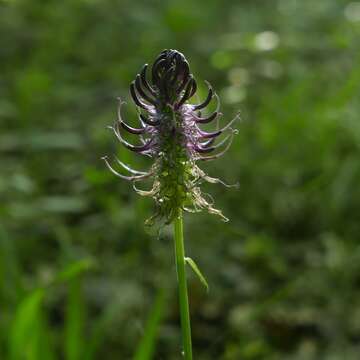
(28, 338)
(75, 316)
(146, 347)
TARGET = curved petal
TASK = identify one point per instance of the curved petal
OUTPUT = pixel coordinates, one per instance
(143, 192)
(130, 129)
(129, 178)
(207, 135)
(155, 75)
(135, 97)
(193, 89)
(208, 143)
(135, 148)
(177, 72)
(187, 92)
(207, 119)
(216, 156)
(141, 92)
(207, 100)
(200, 149)
(129, 169)
(186, 70)
(164, 82)
(212, 180)
(125, 126)
(148, 121)
(145, 82)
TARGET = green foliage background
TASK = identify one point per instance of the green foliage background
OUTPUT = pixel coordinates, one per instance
(79, 274)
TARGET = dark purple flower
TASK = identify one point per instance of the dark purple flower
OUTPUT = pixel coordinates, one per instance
(170, 132)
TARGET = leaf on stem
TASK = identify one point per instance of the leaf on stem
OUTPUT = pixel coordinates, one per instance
(197, 271)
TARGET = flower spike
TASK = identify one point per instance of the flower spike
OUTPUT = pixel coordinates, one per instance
(171, 136)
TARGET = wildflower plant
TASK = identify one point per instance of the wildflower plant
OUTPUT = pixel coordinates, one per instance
(170, 133)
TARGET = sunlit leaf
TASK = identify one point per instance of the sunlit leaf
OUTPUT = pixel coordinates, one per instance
(28, 338)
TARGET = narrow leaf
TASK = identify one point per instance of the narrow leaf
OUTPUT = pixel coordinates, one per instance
(146, 348)
(28, 338)
(73, 270)
(75, 318)
(197, 271)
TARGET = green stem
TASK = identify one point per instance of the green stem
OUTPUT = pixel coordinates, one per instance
(183, 295)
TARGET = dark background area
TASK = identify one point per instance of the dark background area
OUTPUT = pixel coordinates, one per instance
(79, 273)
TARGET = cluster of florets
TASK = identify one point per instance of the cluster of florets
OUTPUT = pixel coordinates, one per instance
(169, 132)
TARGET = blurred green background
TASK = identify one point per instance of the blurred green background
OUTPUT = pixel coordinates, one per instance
(81, 277)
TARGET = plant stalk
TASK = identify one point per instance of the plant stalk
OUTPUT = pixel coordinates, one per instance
(183, 294)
